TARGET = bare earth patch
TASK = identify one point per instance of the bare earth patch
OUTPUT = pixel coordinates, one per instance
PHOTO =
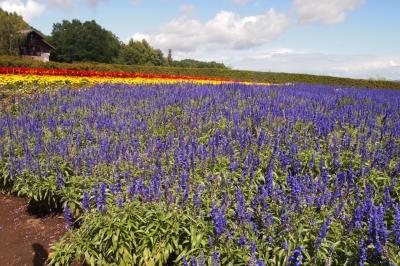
(25, 237)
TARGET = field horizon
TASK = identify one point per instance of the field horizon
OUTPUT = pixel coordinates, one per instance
(233, 74)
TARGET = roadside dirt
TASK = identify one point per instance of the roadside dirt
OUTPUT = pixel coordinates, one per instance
(25, 234)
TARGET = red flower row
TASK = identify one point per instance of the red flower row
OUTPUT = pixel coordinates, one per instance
(89, 73)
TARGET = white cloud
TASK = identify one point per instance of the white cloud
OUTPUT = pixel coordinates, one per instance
(139, 37)
(94, 3)
(375, 66)
(241, 2)
(27, 9)
(300, 61)
(324, 11)
(188, 9)
(62, 4)
(227, 30)
(73, 4)
(289, 60)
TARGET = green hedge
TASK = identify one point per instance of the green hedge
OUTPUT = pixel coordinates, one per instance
(240, 75)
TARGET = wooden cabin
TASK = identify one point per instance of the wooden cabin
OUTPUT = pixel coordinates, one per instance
(34, 46)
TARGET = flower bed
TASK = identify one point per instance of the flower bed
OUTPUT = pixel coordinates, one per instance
(212, 174)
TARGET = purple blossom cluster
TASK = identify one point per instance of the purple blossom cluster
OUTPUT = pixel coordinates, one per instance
(296, 257)
(262, 166)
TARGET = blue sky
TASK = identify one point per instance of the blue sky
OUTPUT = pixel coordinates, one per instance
(354, 38)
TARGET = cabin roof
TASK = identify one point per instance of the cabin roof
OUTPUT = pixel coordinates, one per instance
(38, 33)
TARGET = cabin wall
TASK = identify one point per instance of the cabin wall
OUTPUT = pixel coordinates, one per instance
(35, 48)
(44, 57)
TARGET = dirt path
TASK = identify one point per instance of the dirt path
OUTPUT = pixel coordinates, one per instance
(25, 238)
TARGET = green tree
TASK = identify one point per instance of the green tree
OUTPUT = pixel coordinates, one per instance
(88, 41)
(190, 63)
(140, 53)
(169, 58)
(10, 25)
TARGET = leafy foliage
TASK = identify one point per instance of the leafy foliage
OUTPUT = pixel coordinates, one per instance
(190, 63)
(140, 53)
(87, 41)
(138, 233)
(10, 25)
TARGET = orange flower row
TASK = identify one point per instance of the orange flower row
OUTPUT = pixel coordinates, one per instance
(102, 74)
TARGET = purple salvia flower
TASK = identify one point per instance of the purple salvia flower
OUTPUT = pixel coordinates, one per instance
(96, 196)
(261, 139)
(269, 183)
(296, 257)
(156, 186)
(193, 261)
(103, 188)
(132, 189)
(323, 232)
(59, 178)
(112, 189)
(382, 230)
(210, 241)
(339, 208)
(357, 216)
(184, 261)
(396, 225)
(362, 253)
(100, 196)
(202, 261)
(120, 202)
(253, 247)
(241, 206)
(86, 201)
(285, 245)
(185, 195)
(197, 202)
(242, 241)
(68, 216)
(219, 219)
(330, 251)
(376, 229)
(260, 262)
(387, 197)
(215, 258)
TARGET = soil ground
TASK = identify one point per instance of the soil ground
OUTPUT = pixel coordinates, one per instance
(25, 234)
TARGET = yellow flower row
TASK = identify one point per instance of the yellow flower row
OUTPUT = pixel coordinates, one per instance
(49, 80)
(8, 79)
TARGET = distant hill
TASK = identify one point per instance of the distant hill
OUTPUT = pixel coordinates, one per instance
(239, 75)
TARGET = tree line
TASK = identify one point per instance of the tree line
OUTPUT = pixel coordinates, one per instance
(10, 25)
(77, 41)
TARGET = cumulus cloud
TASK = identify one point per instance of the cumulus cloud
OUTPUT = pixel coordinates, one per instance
(188, 9)
(62, 4)
(290, 60)
(226, 30)
(27, 9)
(324, 11)
(375, 67)
(72, 4)
(241, 2)
(94, 3)
(139, 36)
